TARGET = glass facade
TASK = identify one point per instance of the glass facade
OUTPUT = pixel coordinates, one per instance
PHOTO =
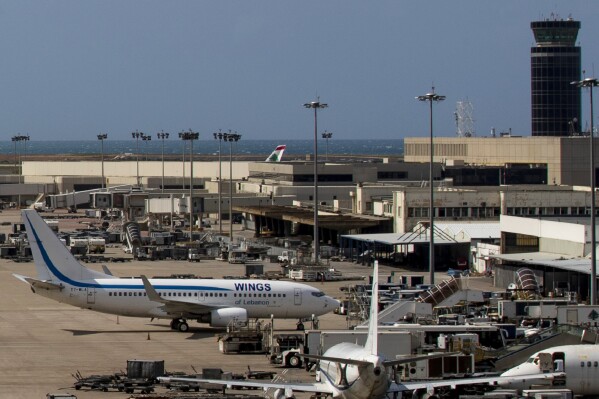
(555, 63)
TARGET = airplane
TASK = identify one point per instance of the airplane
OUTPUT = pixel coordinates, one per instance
(215, 301)
(351, 371)
(277, 154)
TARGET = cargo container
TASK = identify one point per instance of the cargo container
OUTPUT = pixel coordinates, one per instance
(578, 315)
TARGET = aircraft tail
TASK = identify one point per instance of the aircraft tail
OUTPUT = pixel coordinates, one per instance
(373, 319)
(53, 260)
(277, 154)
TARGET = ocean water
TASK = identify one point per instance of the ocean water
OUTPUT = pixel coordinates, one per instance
(175, 146)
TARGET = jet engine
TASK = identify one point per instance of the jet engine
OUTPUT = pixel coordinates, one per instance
(223, 317)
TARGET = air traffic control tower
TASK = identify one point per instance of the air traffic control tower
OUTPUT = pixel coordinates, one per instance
(554, 63)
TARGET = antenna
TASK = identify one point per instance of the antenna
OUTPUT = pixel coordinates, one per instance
(464, 119)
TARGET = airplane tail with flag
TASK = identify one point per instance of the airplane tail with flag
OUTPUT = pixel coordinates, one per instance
(277, 154)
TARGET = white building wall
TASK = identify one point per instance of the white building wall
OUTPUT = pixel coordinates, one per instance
(112, 169)
(543, 228)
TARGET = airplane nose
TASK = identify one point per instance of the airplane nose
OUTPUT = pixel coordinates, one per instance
(336, 303)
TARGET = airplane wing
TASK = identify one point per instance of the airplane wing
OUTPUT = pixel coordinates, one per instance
(39, 283)
(317, 387)
(174, 307)
(453, 383)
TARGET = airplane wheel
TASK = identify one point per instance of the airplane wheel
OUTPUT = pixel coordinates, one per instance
(183, 326)
(174, 324)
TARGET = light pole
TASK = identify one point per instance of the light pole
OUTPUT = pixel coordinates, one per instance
(590, 83)
(162, 136)
(146, 138)
(15, 139)
(183, 165)
(25, 139)
(191, 136)
(316, 105)
(327, 135)
(219, 136)
(136, 135)
(102, 137)
(431, 98)
(231, 137)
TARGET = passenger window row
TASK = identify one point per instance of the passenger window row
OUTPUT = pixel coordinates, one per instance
(201, 294)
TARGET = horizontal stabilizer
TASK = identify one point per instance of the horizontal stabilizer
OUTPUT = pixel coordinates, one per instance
(410, 358)
(39, 283)
(337, 359)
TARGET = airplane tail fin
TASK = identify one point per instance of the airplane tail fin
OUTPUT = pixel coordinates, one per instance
(277, 154)
(373, 320)
(53, 260)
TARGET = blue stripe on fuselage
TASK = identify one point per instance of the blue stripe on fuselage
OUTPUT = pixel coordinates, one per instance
(81, 284)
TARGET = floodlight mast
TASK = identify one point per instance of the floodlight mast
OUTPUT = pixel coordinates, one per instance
(162, 136)
(219, 136)
(190, 136)
(431, 98)
(137, 135)
(590, 83)
(316, 105)
(102, 137)
(327, 135)
(231, 138)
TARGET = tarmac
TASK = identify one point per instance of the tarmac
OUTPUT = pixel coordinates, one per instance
(43, 343)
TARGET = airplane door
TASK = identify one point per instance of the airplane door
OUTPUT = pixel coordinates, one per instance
(297, 296)
(91, 296)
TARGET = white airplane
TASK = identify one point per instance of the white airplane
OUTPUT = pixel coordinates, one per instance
(351, 371)
(277, 154)
(215, 301)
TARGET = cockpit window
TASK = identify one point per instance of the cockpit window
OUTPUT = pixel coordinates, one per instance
(318, 294)
(530, 360)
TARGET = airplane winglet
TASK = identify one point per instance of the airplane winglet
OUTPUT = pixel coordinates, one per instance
(151, 291)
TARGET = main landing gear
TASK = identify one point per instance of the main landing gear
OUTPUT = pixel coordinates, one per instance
(179, 324)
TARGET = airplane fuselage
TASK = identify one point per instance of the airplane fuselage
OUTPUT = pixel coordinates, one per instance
(127, 296)
(580, 363)
(356, 381)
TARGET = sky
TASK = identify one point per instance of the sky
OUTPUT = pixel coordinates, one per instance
(71, 69)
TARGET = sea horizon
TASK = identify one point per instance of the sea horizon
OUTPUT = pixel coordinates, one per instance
(390, 147)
